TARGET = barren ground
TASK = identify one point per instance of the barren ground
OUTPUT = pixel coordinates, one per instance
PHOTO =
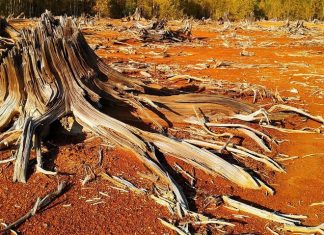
(291, 64)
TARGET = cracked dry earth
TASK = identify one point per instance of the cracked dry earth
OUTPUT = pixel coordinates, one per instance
(289, 64)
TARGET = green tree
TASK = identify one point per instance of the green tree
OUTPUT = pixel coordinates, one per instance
(169, 8)
(240, 9)
(219, 7)
(101, 7)
(316, 9)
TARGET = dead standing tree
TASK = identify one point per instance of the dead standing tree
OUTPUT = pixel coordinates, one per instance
(50, 71)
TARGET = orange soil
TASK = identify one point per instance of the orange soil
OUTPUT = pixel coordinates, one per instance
(128, 213)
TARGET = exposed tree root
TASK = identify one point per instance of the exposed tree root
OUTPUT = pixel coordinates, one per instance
(296, 110)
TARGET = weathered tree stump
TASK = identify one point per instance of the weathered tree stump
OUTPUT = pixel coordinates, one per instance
(157, 31)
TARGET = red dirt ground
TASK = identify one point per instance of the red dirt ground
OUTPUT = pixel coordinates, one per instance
(129, 213)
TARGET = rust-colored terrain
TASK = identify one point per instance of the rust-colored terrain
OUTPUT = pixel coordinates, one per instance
(291, 64)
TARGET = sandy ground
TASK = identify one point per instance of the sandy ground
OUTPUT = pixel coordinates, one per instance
(290, 64)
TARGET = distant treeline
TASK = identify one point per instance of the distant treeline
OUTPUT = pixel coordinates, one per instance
(233, 9)
(32, 8)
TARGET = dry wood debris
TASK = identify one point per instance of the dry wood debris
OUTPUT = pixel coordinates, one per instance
(277, 217)
(50, 72)
(157, 31)
(295, 28)
(39, 205)
(304, 229)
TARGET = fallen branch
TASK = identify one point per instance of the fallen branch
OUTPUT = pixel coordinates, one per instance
(40, 204)
(7, 160)
(272, 216)
(304, 229)
(173, 227)
(121, 183)
(317, 204)
(292, 131)
(198, 218)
